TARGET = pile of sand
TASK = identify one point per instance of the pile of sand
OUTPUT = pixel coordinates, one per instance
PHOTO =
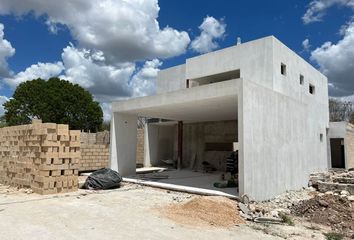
(215, 211)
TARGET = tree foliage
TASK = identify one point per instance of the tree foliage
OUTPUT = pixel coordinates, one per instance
(340, 111)
(55, 100)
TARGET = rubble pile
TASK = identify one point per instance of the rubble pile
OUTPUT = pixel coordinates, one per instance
(335, 211)
(278, 205)
(334, 180)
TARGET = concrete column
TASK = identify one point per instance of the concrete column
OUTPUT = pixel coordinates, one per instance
(123, 143)
(150, 145)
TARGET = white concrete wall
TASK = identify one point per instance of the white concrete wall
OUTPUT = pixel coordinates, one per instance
(123, 147)
(280, 142)
(159, 144)
(171, 79)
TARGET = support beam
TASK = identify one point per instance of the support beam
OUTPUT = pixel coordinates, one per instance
(123, 143)
(179, 144)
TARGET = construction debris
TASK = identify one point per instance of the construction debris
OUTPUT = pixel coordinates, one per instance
(328, 209)
(210, 211)
(334, 180)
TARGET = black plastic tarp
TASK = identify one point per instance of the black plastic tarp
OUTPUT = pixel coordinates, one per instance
(104, 178)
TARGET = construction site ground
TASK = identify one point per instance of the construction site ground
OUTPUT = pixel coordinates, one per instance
(132, 212)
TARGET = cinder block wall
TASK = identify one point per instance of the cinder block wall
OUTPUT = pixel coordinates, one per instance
(93, 157)
(42, 156)
(140, 147)
(94, 151)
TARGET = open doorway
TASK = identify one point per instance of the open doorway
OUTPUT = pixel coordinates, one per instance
(337, 152)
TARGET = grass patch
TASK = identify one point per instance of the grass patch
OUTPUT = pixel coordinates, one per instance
(334, 236)
(286, 219)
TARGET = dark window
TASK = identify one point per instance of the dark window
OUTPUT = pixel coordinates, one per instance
(187, 83)
(301, 79)
(311, 89)
(321, 137)
(283, 69)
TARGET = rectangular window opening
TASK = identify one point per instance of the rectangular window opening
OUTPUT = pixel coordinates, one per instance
(311, 89)
(321, 137)
(283, 69)
(301, 79)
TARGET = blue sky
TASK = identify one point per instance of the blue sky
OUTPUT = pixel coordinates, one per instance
(114, 48)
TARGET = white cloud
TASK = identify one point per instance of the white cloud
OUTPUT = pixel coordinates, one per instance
(336, 61)
(306, 45)
(3, 99)
(39, 70)
(87, 68)
(317, 9)
(107, 110)
(211, 30)
(6, 51)
(144, 81)
(123, 30)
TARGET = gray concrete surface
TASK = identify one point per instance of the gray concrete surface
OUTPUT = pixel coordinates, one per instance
(279, 122)
(126, 213)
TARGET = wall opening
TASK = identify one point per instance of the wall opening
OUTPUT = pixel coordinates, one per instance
(311, 89)
(301, 79)
(283, 69)
(337, 152)
(220, 77)
(321, 137)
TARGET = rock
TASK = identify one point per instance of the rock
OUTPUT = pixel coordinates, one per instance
(329, 192)
(274, 213)
(351, 198)
(323, 203)
(244, 208)
(344, 192)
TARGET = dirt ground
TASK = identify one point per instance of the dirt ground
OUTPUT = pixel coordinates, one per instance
(126, 213)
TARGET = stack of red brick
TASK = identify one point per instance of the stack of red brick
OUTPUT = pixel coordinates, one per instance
(42, 156)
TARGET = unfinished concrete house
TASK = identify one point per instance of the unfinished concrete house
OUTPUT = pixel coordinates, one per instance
(259, 98)
(341, 145)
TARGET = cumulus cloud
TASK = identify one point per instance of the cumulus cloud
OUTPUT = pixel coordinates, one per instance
(108, 82)
(87, 68)
(123, 30)
(6, 51)
(317, 9)
(144, 81)
(211, 30)
(39, 70)
(3, 99)
(306, 45)
(336, 60)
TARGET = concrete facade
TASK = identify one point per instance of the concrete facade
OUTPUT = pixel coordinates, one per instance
(277, 102)
(345, 131)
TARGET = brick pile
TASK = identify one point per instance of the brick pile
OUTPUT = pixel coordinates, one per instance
(42, 156)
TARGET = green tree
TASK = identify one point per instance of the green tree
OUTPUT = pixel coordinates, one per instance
(55, 100)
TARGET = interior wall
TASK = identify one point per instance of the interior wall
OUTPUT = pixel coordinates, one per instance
(196, 135)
